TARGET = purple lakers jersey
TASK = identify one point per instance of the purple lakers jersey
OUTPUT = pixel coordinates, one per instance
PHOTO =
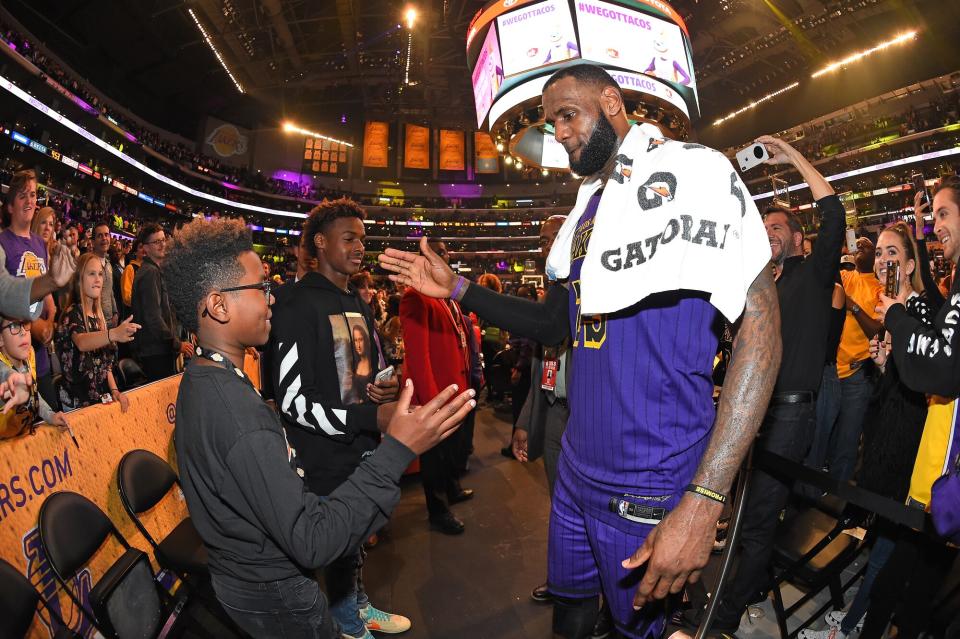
(641, 396)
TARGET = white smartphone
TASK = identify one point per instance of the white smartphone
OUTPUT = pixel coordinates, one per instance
(384, 375)
(752, 156)
(851, 241)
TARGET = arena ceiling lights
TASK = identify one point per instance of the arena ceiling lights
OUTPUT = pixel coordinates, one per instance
(290, 127)
(856, 57)
(213, 48)
(833, 66)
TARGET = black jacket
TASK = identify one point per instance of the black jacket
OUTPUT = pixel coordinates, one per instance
(152, 311)
(804, 289)
(256, 519)
(319, 379)
(927, 357)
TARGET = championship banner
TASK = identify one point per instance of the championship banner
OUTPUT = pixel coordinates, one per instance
(416, 147)
(376, 145)
(33, 467)
(485, 156)
(451, 150)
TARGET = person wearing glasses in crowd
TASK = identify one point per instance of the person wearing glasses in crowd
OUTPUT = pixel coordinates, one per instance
(24, 405)
(87, 344)
(157, 345)
(264, 530)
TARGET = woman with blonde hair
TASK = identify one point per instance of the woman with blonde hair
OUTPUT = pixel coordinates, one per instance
(44, 224)
(87, 347)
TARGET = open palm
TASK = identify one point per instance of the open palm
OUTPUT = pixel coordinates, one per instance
(427, 272)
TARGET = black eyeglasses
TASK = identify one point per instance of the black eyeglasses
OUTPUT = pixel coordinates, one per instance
(264, 286)
(15, 328)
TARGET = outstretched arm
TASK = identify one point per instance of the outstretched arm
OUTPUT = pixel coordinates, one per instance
(427, 273)
(678, 548)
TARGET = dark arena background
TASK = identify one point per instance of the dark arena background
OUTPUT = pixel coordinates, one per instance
(335, 135)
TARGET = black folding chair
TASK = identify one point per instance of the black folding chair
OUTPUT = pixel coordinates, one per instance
(18, 606)
(144, 480)
(127, 601)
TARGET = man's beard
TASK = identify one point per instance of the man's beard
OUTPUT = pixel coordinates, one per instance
(597, 150)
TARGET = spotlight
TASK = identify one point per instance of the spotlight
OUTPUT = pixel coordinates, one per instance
(410, 15)
(500, 147)
(508, 160)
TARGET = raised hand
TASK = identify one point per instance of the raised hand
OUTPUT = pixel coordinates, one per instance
(125, 331)
(62, 264)
(15, 390)
(780, 152)
(426, 273)
(424, 427)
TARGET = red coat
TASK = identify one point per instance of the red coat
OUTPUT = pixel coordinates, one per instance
(433, 339)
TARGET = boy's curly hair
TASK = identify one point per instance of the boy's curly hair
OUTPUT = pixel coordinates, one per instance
(203, 257)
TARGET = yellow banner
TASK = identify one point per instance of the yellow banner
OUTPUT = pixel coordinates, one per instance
(486, 158)
(33, 467)
(376, 145)
(451, 150)
(416, 148)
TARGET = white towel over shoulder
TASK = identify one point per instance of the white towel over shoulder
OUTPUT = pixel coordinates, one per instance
(674, 216)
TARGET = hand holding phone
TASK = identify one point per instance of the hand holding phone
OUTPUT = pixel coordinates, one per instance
(384, 375)
(920, 186)
(892, 284)
(851, 241)
(751, 156)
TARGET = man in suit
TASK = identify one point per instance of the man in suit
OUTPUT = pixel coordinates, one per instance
(437, 355)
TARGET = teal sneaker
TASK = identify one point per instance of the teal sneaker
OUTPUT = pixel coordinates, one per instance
(385, 622)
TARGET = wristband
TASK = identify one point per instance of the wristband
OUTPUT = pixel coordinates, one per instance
(706, 492)
(109, 339)
(461, 282)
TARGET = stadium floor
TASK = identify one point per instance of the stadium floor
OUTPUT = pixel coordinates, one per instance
(477, 585)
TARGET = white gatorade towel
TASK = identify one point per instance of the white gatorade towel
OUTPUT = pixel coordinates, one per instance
(673, 216)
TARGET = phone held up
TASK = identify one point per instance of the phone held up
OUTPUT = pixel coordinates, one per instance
(920, 186)
(752, 156)
(892, 284)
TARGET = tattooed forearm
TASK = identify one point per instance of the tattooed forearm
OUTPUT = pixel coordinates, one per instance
(747, 387)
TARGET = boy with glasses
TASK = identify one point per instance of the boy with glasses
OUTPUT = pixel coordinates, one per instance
(264, 531)
(157, 344)
(18, 369)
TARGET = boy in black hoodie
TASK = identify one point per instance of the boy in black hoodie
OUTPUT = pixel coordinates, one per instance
(325, 357)
(263, 531)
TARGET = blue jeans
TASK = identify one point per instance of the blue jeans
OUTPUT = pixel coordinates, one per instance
(882, 548)
(841, 406)
(289, 608)
(344, 579)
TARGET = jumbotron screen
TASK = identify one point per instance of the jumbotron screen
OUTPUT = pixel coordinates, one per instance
(513, 41)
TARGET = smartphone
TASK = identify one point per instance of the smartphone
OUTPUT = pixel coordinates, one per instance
(384, 375)
(751, 156)
(851, 241)
(920, 186)
(892, 285)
